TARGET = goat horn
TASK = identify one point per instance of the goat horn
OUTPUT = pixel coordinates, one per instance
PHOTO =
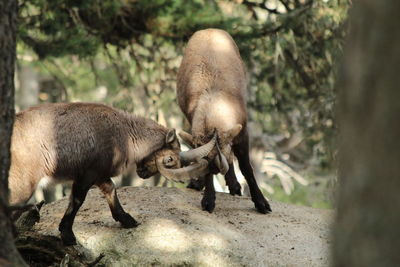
(198, 153)
(184, 174)
(221, 162)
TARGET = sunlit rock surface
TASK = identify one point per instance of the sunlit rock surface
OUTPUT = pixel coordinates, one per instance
(175, 231)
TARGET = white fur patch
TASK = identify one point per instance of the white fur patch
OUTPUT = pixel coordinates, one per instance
(221, 114)
(45, 182)
(221, 42)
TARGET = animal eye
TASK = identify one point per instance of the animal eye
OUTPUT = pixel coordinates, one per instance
(169, 161)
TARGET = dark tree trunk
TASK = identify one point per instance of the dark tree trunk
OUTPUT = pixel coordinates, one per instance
(367, 231)
(9, 256)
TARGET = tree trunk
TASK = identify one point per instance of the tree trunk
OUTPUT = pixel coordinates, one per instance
(9, 256)
(367, 231)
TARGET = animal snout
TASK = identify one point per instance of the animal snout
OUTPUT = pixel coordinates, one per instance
(213, 167)
(143, 173)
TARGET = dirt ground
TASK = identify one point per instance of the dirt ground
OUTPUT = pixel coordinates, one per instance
(174, 231)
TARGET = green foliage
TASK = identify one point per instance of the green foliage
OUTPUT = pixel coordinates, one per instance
(177, 19)
(51, 30)
(311, 196)
(63, 27)
(293, 72)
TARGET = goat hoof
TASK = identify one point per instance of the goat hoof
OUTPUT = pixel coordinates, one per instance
(196, 185)
(235, 190)
(208, 204)
(262, 206)
(127, 221)
(68, 239)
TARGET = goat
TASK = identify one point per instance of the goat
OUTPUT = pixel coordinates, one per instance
(88, 143)
(211, 92)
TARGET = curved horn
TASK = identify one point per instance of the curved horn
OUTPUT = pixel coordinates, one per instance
(221, 162)
(198, 153)
(184, 174)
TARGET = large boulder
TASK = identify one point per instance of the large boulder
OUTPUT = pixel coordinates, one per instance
(174, 231)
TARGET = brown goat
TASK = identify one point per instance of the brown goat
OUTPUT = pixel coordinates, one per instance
(88, 143)
(211, 91)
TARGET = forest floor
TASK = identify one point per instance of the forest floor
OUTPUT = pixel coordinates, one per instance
(174, 231)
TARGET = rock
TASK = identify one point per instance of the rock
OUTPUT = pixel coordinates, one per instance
(175, 231)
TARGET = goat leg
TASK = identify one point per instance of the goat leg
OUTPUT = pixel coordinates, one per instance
(242, 153)
(118, 213)
(232, 182)
(80, 187)
(208, 201)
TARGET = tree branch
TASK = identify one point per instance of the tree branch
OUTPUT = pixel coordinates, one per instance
(262, 5)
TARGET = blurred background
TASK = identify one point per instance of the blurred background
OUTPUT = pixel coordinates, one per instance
(126, 53)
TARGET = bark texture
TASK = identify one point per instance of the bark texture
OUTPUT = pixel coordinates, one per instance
(367, 231)
(9, 256)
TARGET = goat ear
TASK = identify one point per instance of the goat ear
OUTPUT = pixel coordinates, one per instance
(171, 136)
(235, 130)
(187, 138)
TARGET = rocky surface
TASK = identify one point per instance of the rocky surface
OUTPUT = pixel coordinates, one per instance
(174, 231)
